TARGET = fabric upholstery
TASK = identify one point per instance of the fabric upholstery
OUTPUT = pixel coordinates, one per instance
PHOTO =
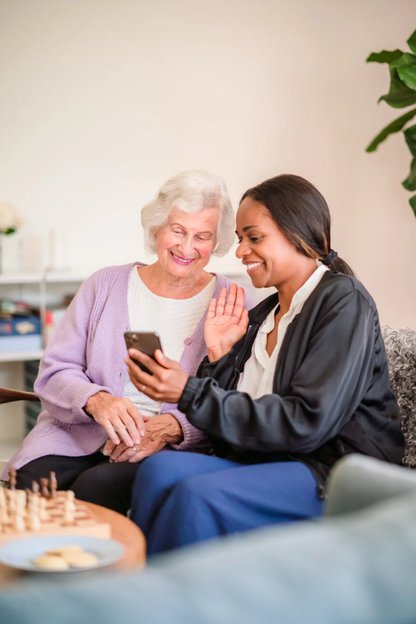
(401, 354)
(346, 569)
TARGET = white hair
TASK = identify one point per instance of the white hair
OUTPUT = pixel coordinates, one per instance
(190, 191)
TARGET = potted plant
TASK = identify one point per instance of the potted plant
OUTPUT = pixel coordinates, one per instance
(402, 93)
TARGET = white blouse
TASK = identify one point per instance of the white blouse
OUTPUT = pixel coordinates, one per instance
(175, 320)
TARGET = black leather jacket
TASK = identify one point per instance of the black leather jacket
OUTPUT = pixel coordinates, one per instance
(331, 391)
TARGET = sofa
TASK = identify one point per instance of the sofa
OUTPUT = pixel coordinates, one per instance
(357, 565)
(400, 345)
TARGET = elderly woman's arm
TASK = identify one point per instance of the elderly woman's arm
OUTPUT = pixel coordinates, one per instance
(71, 387)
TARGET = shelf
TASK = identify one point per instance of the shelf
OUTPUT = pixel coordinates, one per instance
(20, 356)
(55, 277)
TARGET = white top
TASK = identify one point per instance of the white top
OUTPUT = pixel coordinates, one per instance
(175, 320)
(257, 376)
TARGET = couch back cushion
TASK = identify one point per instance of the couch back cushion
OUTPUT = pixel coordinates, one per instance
(401, 354)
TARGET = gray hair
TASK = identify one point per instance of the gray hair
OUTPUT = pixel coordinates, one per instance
(190, 191)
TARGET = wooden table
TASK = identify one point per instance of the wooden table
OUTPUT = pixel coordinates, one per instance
(123, 530)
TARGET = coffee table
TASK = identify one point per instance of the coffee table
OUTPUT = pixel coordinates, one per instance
(123, 530)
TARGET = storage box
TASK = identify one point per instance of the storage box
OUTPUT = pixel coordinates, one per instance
(20, 326)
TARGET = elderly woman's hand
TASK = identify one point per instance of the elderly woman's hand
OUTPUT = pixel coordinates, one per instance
(160, 430)
(166, 381)
(226, 322)
(119, 417)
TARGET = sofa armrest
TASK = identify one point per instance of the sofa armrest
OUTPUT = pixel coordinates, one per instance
(357, 481)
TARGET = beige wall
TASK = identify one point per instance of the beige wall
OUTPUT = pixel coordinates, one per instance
(101, 100)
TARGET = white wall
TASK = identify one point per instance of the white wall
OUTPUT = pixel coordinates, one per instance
(102, 100)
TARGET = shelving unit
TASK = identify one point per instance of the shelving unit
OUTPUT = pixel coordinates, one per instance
(39, 289)
(42, 290)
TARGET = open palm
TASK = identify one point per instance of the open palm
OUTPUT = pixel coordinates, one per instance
(226, 322)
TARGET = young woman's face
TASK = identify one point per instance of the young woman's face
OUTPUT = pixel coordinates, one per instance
(185, 243)
(270, 259)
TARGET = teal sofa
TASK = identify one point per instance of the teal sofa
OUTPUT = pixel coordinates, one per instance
(357, 566)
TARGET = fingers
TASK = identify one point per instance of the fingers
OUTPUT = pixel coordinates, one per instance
(108, 448)
(220, 306)
(167, 381)
(229, 303)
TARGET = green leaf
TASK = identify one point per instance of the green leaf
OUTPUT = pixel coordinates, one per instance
(411, 42)
(401, 93)
(410, 137)
(386, 56)
(412, 202)
(408, 75)
(410, 182)
(394, 126)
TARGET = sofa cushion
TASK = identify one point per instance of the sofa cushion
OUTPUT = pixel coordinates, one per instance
(401, 354)
(345, 569)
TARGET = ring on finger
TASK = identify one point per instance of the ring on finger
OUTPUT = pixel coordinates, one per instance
(142, 388)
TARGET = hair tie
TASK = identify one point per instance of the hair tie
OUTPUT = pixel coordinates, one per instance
(330, 257)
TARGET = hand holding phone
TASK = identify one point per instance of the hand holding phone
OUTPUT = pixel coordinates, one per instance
(147, 342)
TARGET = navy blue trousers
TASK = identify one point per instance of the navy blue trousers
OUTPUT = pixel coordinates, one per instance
(180, 498)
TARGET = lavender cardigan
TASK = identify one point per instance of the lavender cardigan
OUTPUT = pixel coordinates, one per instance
(87, 355)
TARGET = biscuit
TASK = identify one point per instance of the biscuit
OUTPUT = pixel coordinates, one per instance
(81, 559)
(63, 550)
(51, 562)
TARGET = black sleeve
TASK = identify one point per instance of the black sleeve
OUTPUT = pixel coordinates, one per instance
(326, 386)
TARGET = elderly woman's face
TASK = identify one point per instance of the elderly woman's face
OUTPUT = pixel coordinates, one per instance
(185, 243)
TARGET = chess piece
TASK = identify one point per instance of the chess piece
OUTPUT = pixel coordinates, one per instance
(12, 478)
(35, 487)
(44, 489)
(43, 512)
(69, 508)
(53, 484)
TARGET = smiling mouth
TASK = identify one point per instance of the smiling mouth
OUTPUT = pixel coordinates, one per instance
(181, 260)
(252, 266)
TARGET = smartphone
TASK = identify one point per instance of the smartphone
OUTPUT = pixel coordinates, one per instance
(147, 342)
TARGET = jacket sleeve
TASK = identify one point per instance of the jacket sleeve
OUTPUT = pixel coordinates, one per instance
(63, 380)
(325, 387)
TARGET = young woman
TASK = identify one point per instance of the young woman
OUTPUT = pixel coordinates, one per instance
(284, 393)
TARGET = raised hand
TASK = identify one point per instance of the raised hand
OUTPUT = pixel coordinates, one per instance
(226, 322)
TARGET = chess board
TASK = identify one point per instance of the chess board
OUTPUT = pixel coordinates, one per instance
(82, 522)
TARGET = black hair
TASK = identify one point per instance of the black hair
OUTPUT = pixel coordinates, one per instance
(302, 214)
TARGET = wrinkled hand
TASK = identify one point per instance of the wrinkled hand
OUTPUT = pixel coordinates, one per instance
(160, 430)
(226, 322)
(118, 416)
(166, 381)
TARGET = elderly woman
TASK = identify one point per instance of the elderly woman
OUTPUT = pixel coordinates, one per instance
(91, 410)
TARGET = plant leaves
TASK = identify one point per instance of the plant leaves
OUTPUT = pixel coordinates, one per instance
(402, 88)
(408, 75)
(411, 42)
(386, 56)
(410, 137)
(412, 202)
(394, 126)
(410, 182)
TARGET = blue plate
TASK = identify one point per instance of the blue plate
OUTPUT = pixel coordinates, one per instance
(20, 553)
